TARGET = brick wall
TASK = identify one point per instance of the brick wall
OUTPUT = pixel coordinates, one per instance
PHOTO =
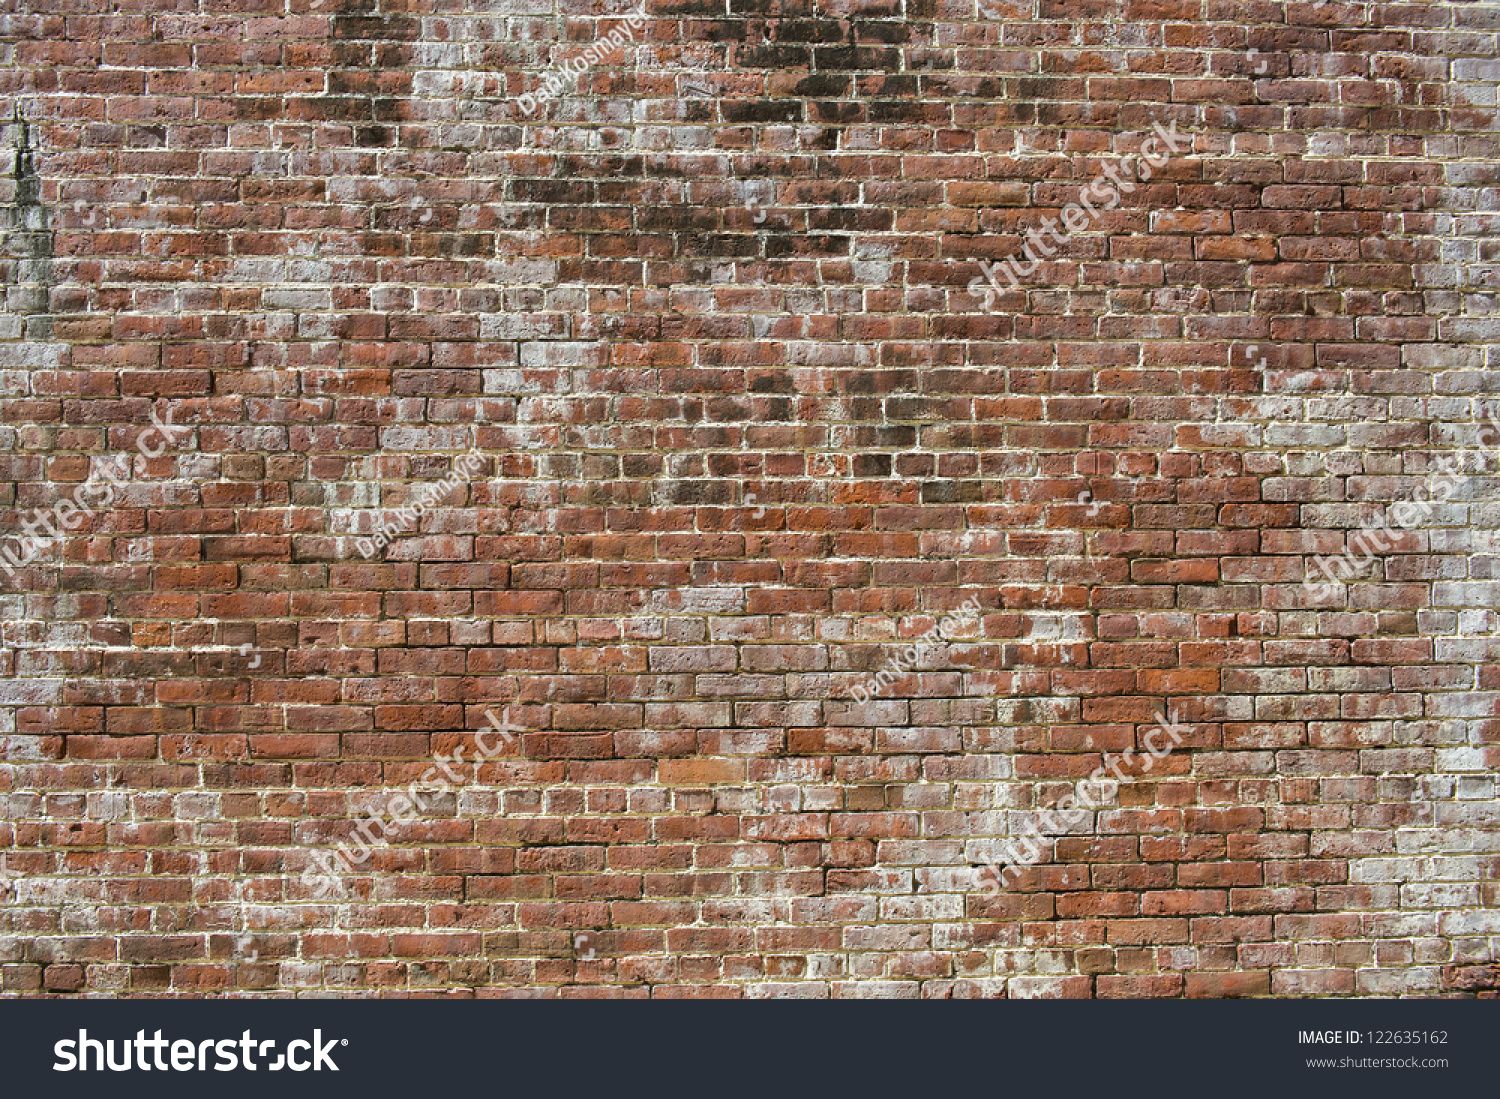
(743, 427)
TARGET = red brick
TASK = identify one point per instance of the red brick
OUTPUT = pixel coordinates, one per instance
(746, 437)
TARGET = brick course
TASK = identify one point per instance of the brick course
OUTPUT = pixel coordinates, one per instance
(747, 435)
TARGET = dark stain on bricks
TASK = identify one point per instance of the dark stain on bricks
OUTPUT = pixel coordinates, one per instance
(374, 44)
(27, 250)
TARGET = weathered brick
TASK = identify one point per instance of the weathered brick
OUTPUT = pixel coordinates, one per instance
(800, 578)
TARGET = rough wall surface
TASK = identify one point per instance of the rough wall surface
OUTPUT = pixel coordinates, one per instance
(743, 429)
